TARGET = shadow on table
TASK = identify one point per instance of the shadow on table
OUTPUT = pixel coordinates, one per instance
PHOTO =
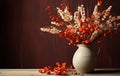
(105, 71)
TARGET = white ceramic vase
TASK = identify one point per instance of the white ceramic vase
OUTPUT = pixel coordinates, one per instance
(84, 60)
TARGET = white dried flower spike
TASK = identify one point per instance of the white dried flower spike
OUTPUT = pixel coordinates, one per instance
(51, 30)
(54, 23)
(77, 15)
(83, 13)
(65, 15)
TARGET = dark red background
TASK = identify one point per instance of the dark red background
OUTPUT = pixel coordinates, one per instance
(23, 45)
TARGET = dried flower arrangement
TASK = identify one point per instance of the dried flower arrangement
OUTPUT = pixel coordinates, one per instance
(78, 28)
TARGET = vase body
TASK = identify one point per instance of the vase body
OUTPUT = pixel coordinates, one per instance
(84, 60)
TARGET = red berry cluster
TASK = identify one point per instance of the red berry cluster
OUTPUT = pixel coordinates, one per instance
(59, 69)
(83, 35)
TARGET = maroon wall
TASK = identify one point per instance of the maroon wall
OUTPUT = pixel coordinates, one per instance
(23, 45)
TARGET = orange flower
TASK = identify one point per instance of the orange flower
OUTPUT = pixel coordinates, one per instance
(87, 19)
(61, 35)
(87, 41)
(99, 3)
(61, 4)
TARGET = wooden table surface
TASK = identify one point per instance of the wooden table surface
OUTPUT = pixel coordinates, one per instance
(34, 72)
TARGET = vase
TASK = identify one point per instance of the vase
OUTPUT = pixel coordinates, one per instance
(84, 60)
